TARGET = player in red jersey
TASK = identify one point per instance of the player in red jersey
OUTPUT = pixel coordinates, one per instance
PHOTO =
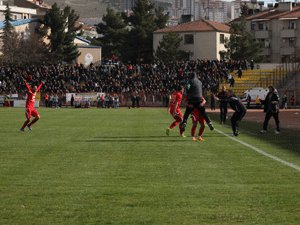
(198, 118)
(30, 110)
(174, 109)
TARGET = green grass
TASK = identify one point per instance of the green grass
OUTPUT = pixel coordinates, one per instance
(96, 166)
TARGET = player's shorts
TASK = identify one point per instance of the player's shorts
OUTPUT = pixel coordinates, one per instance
(31, 112)
(177, 115)
(197, 117)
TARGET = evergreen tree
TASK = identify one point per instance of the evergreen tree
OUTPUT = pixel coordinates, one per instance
(168, 49)
(62, 33)
(143, 23)
(70, 49)
(114, 33)
(160, 18)
(242, 45)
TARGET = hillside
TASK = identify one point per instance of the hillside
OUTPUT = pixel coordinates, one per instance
(85, 8)
(94, 8)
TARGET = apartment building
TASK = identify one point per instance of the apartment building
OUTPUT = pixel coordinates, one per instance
(279, 31)
(203, 39)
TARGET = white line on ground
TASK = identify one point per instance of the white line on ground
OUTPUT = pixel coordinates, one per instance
(260, 151)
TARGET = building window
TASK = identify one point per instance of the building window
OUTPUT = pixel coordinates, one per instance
(292, 42)
(292, 25)
(260, 26)
(222, 39)
(188, 39)
(253, 25)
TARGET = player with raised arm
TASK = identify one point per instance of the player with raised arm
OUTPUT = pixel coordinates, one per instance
(30, 110)
(198, 118)
(174, 108)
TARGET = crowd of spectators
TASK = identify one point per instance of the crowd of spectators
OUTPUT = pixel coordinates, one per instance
(155, 79)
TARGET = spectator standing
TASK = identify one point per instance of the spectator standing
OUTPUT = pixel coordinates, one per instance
(137, 99)
(55, 101)
(212, 102)
(271, 108)
(284, 101)
(133, 100)
(6, 101)
(248, 101)
(257, 102)
(51, 100)
(46, 100)
(72, 100)
(222, 98)
(102, 101)
(116, 101)
(292, 100)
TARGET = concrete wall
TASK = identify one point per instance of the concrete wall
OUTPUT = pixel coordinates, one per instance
(18, 12)
(89, 55)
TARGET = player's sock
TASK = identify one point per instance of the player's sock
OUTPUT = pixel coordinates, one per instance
(193, 130)
(32, 122)
(24, 125)
(174, 124)
(201, 130)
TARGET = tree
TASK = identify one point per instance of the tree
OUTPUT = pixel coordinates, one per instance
(160, 18)
(143, 21)
(242, 45)
(113, 31)
(168, 49)
(10, 40)
(62, 33)
(70, 48)
(34, 46)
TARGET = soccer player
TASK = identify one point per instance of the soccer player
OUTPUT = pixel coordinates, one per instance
(198, 118)
(30, 110)
(194, 94)
(174, 109)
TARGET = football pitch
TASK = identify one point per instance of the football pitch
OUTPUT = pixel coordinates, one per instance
(108, 166)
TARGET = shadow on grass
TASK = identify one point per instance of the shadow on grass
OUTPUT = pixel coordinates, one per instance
(288, 139)
(117, 140)
(145, 138)
(161, 137)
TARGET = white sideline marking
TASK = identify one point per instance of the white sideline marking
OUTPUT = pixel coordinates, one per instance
(261, 151)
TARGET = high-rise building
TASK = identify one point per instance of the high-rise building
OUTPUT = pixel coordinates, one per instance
(126, 5)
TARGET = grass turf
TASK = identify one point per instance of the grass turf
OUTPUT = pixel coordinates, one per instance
(96, 166)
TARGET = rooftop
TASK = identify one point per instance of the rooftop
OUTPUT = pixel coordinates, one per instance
(196, 26)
